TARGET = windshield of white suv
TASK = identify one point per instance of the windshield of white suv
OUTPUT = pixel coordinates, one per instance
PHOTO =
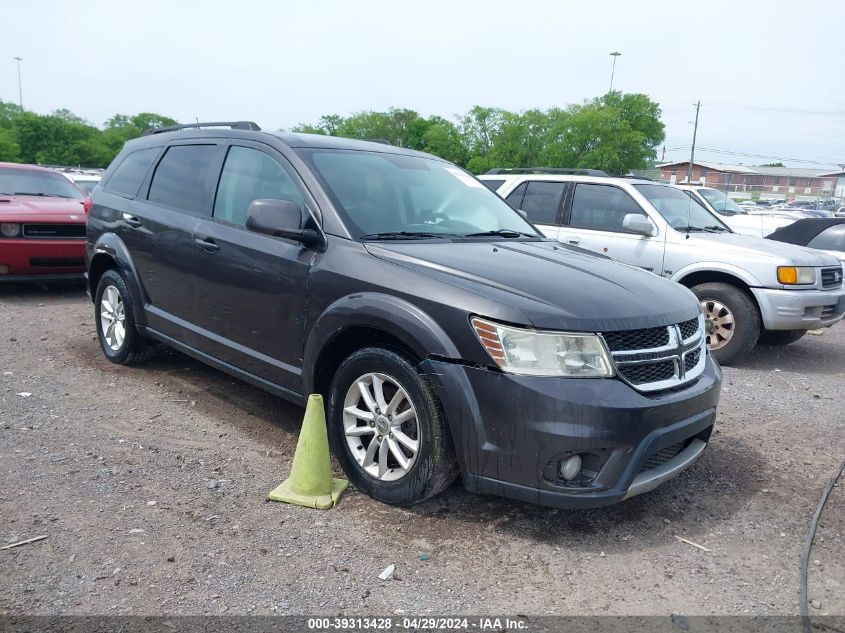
(392, 196)
(682, 212)
(31, 182)
(722, 203)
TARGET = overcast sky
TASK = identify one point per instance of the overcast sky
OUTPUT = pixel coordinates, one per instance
(770, 75)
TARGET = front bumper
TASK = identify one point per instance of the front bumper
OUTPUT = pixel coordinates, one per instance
(41, 260)
(800, 309)
(510, 432)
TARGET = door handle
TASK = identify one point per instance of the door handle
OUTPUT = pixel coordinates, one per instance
(575, 241)
(131, 220)
(207, 244)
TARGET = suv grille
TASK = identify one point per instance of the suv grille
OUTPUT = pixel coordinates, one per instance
(831, 277)
(637, 339)
(54, 231)
(648, 372)
(688, 328)
(658, 358)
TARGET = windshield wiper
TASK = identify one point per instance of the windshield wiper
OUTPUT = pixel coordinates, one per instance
(38, 193)
(501, 233)
(700, 229)
(405, 235)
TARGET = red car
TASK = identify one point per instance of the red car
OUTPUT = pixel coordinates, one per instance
(42, 225)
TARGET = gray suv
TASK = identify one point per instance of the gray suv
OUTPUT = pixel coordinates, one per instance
(447, 334)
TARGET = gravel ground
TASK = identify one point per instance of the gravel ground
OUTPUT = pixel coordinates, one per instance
(150, 484)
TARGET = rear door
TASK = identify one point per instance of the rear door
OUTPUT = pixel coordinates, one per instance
(542, 203)
(158, 231)
(593, 220)
(251, 288)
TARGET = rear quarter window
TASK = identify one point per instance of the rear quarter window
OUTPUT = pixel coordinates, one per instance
(127, 177)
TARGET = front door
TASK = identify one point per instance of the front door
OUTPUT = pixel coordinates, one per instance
(250, 288)
(594, 221)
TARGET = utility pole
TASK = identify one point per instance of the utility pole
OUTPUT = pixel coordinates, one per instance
(614, 54)
(20, 90)
(692, 150)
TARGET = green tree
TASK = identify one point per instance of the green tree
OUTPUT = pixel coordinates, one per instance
(10, 151)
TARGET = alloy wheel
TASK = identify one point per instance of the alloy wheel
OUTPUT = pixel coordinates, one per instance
(113, 318)
(381, 426)
(718, 323)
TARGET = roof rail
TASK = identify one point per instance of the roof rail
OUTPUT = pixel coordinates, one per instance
(235, 125)
(635, 177)
(547, 170)
(383, 141)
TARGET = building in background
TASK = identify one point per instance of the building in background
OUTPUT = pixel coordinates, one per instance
(769, 182)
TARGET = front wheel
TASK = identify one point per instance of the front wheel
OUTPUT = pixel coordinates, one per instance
(781, 337)
(387, 429)
(731, 319)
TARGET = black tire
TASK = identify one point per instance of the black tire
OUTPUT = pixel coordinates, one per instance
(434, 468)
(746, 327)
(780, 337)
(134, 347)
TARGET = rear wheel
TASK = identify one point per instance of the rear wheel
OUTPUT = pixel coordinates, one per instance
(387, 429)
(781, 337)
(114, 313)
(732, 322)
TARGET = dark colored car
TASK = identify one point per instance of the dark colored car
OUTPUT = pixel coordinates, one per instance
(826, 234)
(445, 332)
(42, 225)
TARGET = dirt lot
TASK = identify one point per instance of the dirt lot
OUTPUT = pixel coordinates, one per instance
(113, 464)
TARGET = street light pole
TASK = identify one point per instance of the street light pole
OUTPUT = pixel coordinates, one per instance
(20, 90)
(614, 54)
(692, 149)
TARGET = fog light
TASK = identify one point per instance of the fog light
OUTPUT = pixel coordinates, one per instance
(570, 467)
(4, 269)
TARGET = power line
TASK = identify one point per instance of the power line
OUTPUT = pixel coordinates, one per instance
(748, 155)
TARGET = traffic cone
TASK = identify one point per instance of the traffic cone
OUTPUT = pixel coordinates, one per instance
(310, 483)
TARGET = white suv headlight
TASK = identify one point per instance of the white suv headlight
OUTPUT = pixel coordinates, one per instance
(538, 353)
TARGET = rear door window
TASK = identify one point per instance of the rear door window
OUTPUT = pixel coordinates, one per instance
(181, 178)
(542, 201)
(127, 177)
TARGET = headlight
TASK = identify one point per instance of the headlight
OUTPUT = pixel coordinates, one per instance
(533, 353)
(796, 275)
(10, 229)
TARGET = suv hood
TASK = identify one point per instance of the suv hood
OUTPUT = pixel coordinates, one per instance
(40, 209)
(555, 286)
(725, 245)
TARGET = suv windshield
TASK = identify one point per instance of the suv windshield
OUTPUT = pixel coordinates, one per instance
(25, 182)
(681, 211)
(722, 203)
(393, 196)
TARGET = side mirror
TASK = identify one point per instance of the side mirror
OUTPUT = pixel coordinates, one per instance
(522, 213)
(279, 218)
(638, 223)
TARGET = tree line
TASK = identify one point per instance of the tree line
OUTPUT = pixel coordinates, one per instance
(616, 132)
(63, 138)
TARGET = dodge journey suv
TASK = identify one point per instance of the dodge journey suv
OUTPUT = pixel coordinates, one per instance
(446, 333)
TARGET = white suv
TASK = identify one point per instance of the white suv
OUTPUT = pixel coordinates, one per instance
(749, 288)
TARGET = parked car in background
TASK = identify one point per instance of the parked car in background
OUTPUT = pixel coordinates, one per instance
(825, 234)
(747, 221)
(750, 289)
(445, 332)
(85, 181)
(42, 225)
